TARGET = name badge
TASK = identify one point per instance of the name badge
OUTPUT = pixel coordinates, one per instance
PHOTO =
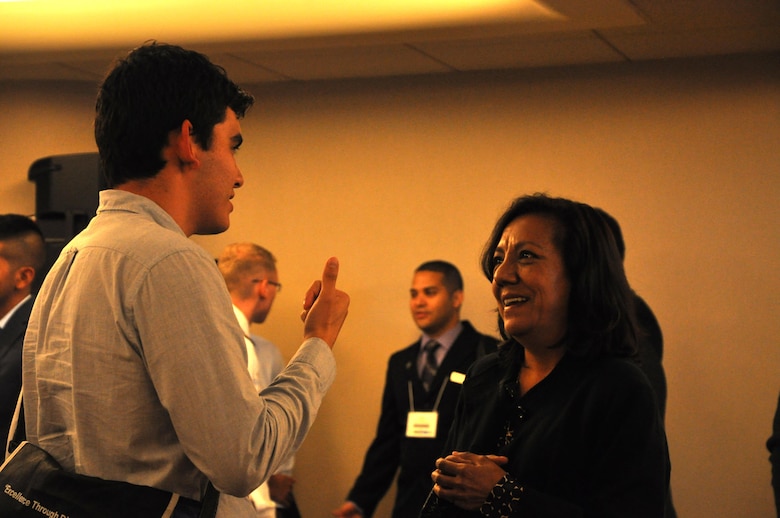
(422, 425)
(457, 377)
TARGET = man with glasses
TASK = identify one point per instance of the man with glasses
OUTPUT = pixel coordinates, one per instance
(253, 282)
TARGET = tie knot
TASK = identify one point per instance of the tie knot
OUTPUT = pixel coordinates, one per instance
(431, 346)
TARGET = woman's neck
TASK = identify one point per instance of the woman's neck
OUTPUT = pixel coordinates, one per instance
(537, 365)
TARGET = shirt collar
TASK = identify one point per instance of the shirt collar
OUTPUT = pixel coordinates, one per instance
(242, 320)
(7, 317)
(119, 200)
(447, 339)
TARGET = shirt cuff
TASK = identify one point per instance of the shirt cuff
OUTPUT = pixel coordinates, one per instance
(504, 498)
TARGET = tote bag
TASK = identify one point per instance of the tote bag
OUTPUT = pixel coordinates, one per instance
(34, 485)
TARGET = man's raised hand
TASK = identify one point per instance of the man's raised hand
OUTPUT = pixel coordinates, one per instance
(325, 307)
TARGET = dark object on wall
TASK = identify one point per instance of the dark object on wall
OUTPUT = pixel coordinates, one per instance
(66, 198)
(66, 183)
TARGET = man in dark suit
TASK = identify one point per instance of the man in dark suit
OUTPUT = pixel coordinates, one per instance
(22, 256)
(417, 413)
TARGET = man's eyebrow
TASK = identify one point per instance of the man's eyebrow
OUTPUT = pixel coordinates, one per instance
(425, 288)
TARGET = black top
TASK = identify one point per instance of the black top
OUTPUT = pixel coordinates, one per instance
(588, 440)
(651, 350)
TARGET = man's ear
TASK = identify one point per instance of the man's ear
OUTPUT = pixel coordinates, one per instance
(24, 277)
(185, 146)
(457, 299)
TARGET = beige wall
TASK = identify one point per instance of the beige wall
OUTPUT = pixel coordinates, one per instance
(385, 174)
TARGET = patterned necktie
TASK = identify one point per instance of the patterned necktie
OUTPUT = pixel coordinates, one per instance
(431, 365)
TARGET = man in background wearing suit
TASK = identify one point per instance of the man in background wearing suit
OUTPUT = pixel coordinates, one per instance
(417, 413)
(22, 258)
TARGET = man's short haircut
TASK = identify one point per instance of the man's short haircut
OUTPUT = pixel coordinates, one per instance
(238, 260)
(150, 93)
(24, 242)
(452, 278)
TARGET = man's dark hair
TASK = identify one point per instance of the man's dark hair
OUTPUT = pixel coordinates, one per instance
(25, 240)
(452, 278)
(601, 309)
(152, 92)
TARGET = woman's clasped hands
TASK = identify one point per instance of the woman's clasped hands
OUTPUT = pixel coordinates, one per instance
(466, 479)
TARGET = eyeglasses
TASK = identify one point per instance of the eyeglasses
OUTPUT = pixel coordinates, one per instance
(277, 285)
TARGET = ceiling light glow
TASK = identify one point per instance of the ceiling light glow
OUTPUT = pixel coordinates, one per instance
(58, 25)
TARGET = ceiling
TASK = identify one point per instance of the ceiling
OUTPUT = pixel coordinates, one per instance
(320, 43)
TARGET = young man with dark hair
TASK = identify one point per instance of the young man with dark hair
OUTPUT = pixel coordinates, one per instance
(134, 363)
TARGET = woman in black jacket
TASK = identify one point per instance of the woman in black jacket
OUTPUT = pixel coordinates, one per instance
(560, 422)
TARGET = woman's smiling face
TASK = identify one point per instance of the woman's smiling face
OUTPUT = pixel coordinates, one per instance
(530, 282)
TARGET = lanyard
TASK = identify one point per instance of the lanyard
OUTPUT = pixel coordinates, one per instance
(438, 397)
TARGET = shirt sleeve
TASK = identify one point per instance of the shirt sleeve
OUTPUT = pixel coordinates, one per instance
(196, 359)
(277, 367)
(503, 498)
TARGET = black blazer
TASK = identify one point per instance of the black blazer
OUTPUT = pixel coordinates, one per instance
(588, 439)
(11, 341)
(391, 449)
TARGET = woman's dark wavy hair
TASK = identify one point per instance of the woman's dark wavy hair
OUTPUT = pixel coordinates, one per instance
(152, 92)
(601, 315)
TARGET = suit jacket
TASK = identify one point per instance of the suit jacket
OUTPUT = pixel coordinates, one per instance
(391, 449)
(11, 341)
